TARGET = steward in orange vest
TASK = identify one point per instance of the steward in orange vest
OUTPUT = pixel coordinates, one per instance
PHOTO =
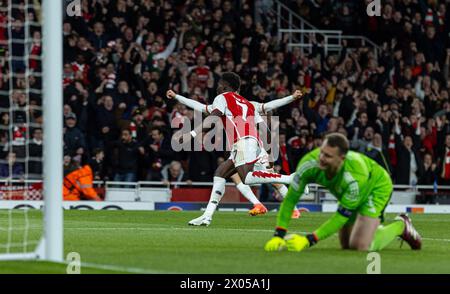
(78, 185)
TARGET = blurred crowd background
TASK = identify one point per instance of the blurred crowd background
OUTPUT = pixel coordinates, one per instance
(120, 57)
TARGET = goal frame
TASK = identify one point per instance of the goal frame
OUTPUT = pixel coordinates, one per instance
(50, 247)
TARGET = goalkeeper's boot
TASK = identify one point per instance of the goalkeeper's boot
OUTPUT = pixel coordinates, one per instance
(204, 220)
(258, 209)
(410, 234)
(296, 213)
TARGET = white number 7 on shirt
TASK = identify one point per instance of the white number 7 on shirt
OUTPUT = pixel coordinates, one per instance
(244, 110)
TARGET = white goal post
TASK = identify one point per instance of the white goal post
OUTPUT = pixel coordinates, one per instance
(53, 125)
(51, 245)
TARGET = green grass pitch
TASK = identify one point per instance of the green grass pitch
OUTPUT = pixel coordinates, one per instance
(162, 242)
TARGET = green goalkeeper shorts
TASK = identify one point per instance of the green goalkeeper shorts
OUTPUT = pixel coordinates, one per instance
(378, 199)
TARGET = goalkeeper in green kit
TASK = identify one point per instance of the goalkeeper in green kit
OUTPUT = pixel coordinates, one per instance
(363, 190)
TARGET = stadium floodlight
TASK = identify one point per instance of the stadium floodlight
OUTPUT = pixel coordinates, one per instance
(49, 18)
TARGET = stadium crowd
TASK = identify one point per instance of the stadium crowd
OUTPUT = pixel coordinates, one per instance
(121, 56)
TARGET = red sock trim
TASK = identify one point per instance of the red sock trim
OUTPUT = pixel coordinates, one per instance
(265, 175)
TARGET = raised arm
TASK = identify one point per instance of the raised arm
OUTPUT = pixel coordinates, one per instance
(188, 102)
(216, 111)
(169, 49)
(269, 106)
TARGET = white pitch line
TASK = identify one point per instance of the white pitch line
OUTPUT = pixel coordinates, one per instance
(435, 239)
(134, 270)
(174, 228)
(217, 229)
(116, 268)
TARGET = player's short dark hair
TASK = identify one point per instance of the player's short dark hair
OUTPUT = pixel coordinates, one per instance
(338, 140)
(232, 80)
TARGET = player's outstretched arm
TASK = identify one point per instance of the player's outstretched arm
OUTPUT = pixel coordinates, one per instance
(218, 109)
(197, 106)
(332, 225)
(269, 106)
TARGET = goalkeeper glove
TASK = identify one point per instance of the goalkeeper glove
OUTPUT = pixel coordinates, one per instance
(297, 243)
(277, 243)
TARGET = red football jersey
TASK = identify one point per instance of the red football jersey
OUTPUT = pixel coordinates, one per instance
(239, 116)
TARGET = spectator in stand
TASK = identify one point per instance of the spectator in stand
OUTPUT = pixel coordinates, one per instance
(160, 152)
(409, 164)
(96, 164)
(202, 71)
(138, 125)
(174, 172)
(4, 146)
(35, 154)
(98, 39)
(360, 145)
(430, 171)
(202, 164)
(106, 123)
(284, 159)
(127, 151)
(125, 100)
(74, 139)
(322, 119)
(11, 169)
(361, 124)
(68, 165)
(377, 152)
(428, 136)
(429, 178)
(444, 156)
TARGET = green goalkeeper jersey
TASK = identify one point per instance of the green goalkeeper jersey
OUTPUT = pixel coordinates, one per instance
(361, 185)
(351, 185)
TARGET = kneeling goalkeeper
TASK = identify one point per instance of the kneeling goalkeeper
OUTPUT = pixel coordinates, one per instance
(363, 189)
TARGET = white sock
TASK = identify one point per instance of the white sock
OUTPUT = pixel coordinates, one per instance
(248, 193)
(282, 189)
(263, 177)
(216, 195)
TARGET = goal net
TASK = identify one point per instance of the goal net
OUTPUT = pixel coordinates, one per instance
(30, 121)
